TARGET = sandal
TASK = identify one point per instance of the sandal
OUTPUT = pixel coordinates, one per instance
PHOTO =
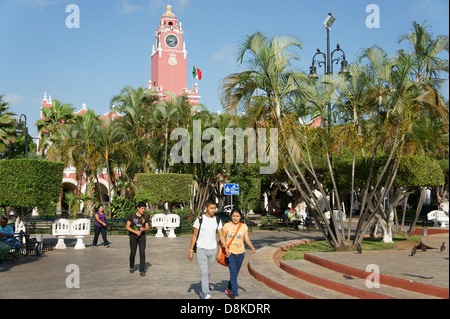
(229, 293)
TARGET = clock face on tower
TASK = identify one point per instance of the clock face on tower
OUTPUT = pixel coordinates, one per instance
(171, 41)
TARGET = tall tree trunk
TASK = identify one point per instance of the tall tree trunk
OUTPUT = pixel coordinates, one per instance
(405, 203)
(418, 209)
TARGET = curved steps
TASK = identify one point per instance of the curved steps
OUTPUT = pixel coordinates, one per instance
(344, 283)
(317, 278)
(276, 278)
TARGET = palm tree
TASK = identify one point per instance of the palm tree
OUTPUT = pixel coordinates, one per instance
(395, 99)
(165, 114)
(425, 51)
(115, 150)
(270, 76)
(78, 146)
(7, 126)
(265, 92)
(54, 118)
(136, 105)
(428, 67)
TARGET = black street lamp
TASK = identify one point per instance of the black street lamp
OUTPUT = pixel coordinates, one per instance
(328, 60)
(21, 129)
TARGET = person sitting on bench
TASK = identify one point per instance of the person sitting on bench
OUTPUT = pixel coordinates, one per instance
(7, 236)
(293, 218)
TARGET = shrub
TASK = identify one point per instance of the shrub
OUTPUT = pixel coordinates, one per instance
(157, 189)
(29, 183)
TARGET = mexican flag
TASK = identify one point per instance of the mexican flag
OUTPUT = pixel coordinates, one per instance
(196, 73)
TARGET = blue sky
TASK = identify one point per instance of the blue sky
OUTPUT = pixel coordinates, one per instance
(112, 47)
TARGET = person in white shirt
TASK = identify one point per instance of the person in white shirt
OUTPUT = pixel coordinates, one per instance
(204, 238)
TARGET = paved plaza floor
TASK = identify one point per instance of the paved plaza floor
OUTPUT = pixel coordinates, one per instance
(104, 272)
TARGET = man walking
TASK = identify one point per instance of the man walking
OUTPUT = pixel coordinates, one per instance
(137, 225)
(205, 228)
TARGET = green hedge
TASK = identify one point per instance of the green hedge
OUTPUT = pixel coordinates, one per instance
(415, 171)
(161, 188)
(29, 183)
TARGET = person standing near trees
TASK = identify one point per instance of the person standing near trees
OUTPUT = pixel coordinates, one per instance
(204, 237)
(235, 234)
(137, 225)
(100, 226)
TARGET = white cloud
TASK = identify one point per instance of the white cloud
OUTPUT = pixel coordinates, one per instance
(41, 3)
(185, 2)
(226, 54)
(17, 101)
(127, 8)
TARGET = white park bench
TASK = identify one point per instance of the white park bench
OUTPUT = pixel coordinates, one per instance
(336, 215)
(172, 222)
(61, 228)
(158, 221)
(80, 228)
(438, 217)
(167, 222)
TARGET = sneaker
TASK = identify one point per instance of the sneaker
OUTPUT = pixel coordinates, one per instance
(208, 296)
(143, 274)
(131, 270)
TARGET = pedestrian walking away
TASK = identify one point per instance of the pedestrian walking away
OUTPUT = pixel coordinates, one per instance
(100, 226)
(236, 233)
(204, 243)
(137, 225)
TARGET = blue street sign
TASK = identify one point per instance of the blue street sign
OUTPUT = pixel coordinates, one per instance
(231, 189)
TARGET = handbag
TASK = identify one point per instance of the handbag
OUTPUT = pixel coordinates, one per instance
(223, 259)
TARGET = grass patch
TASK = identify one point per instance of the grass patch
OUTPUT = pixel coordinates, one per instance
(368, 244)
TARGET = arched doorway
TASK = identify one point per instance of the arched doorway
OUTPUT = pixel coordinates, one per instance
(69, 189)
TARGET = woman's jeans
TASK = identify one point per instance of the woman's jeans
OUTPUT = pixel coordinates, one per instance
(134, 242)
(97, 231)
(234, 265)
(205, 259)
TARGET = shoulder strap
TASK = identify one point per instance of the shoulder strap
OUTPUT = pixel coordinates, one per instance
(200, 219)
(229, 244)
(217, 221)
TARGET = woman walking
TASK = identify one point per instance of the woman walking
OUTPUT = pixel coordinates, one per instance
(239, 231)
(100, 226)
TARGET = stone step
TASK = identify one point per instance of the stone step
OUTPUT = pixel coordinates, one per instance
(435, 241)
(273, 276)
(346, 284)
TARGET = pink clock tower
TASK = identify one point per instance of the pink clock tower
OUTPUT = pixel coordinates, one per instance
(169, 59)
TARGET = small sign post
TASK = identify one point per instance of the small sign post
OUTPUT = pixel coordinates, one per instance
(231, 189)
